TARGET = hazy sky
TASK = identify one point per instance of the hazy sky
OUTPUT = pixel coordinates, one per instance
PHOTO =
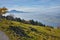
(32, 5)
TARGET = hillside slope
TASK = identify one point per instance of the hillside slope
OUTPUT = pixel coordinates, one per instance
(20, 31)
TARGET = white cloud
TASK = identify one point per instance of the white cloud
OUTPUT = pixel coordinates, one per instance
(40, 9)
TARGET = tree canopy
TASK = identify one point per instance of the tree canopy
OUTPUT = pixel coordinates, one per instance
(3, 10)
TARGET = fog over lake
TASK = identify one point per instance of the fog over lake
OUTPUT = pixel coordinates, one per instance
(47, 18)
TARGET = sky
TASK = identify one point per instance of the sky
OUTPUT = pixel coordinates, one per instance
(32, 5)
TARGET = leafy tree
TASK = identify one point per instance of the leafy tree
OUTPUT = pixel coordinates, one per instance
(17, 19)
(36, 22)
(3, 10)
(10, 17)
(32, 22)
(40, 24)
(23, 20)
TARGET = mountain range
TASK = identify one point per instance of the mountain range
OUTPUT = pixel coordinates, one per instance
(16, 11)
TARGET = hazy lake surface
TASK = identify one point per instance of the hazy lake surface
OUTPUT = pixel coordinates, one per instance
(47, 19)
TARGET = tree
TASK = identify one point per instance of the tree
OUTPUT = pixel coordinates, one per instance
(40, 24)
(32, 22)
(3, 10)
(18, 19)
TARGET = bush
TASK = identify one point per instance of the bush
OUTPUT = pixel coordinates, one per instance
(19, 31)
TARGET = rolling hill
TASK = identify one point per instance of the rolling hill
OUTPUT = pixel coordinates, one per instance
(20, 31)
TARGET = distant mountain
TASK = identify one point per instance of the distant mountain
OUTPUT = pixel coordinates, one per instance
(15, 11)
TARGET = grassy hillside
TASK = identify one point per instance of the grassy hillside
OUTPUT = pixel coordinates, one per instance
(20, 31)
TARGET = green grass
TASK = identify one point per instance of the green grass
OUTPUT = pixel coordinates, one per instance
(29, 32)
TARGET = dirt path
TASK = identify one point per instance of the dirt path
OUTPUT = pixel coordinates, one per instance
(3, 36)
